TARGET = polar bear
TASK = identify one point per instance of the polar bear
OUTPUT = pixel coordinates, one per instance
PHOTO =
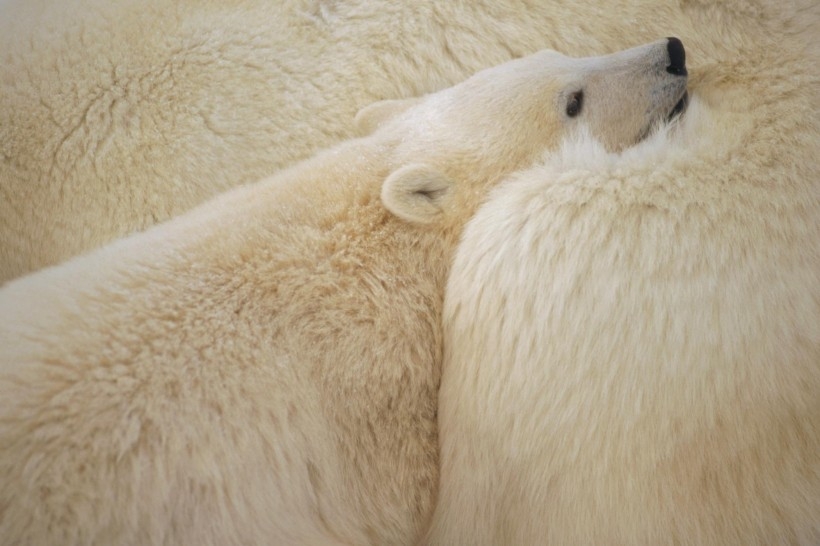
(632, 341)
(116, 115)
(264, 369)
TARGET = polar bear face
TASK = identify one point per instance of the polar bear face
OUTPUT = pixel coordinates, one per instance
(504, 118)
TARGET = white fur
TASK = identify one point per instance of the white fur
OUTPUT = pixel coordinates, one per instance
(118, 114)
(263, 369)
(632, 340)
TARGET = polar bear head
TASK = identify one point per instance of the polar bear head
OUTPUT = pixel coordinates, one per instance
(459, 141)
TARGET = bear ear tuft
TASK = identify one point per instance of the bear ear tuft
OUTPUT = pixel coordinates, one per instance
(374, 115)
(417, 193)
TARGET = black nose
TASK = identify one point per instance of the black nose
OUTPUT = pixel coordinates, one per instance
(677, 57)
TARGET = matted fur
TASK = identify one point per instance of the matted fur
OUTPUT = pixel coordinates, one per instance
(118, 114)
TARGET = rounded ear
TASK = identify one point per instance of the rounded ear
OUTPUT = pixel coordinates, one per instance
(417, 193)
(374, 115)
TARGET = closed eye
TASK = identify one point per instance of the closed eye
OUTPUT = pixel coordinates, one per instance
(574, 103)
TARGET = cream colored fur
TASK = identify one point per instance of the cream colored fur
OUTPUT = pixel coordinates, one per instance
(264, 369)
(632, 341)
(118, 114)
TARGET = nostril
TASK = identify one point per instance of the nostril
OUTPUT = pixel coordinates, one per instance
(677, 57)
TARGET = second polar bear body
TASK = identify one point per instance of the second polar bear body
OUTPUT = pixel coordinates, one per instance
(632, 341)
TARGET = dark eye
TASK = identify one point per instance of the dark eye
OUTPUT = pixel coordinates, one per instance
(575, 103)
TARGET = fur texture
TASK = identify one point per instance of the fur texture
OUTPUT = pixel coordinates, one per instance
(633, 340)
(264, 369)
(118, 114)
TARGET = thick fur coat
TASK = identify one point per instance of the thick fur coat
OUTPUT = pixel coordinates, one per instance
(633, 340)
(264, 369)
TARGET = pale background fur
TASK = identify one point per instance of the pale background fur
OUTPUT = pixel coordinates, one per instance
(85, 157)
(117, 114)
(632, 342)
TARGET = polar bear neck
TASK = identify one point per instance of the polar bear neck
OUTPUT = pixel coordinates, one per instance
(307, 267)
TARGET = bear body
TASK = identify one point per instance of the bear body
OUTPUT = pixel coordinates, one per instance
(116, 115)
(264, 368)
(633, 340)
